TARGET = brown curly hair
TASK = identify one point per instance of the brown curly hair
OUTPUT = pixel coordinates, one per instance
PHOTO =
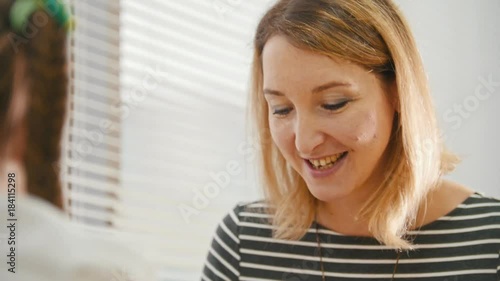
(43, 48)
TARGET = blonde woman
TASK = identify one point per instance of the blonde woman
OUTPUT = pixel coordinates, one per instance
(353, 170)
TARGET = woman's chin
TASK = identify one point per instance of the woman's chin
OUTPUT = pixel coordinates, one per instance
(328, 193)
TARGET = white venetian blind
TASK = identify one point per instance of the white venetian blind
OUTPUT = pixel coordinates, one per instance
(92, 145)
(184, 79)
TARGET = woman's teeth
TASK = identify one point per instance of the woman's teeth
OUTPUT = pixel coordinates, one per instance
(325, 163)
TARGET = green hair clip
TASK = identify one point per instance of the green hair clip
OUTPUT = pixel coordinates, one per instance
(21, 10)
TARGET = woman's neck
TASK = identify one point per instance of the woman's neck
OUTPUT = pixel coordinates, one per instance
(342, 215)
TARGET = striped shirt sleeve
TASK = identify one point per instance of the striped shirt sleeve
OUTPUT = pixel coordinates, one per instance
(223, 257)
(498, 267)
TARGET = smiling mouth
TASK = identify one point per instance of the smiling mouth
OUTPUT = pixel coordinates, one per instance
(327, 162)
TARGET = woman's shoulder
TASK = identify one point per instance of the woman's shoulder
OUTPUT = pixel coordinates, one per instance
(246, 216)
(255, 208)
(245, 212)
(447, 199)
(479, 203)
(479, 197)
(461, 197)
(456, 207)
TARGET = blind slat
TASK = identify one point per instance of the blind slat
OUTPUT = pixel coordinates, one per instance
(96, 138)
(81, 197)
(112, 172)
(93, 184)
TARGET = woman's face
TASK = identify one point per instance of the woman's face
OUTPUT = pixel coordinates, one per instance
(330, 119)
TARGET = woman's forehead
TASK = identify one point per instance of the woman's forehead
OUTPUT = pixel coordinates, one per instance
(285, 65)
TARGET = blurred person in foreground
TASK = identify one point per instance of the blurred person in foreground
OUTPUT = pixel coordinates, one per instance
(352, 159)
(41, 243)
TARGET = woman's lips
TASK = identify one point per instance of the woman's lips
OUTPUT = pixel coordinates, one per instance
(327, 169)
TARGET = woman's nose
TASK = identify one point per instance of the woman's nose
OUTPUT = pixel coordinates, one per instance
(308, 136)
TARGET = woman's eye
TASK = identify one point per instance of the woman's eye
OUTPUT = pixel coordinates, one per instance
(335, 106)
(281, 111)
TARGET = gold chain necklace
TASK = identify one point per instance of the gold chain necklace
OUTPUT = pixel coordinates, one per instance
(323, 278)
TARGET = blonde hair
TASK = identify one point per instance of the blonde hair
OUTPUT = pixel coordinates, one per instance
(374, 35)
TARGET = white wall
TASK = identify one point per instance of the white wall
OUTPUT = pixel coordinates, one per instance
(460, 44)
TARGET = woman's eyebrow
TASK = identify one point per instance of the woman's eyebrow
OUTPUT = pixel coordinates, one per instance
(273, 92)
(329, 85)
(316, 90)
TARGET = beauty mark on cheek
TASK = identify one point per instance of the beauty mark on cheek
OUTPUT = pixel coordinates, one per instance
(365, 129)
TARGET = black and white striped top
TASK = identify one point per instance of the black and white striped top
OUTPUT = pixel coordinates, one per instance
(463, 245)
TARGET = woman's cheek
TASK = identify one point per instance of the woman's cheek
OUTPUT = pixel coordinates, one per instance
(281, 133)
(362, 128)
